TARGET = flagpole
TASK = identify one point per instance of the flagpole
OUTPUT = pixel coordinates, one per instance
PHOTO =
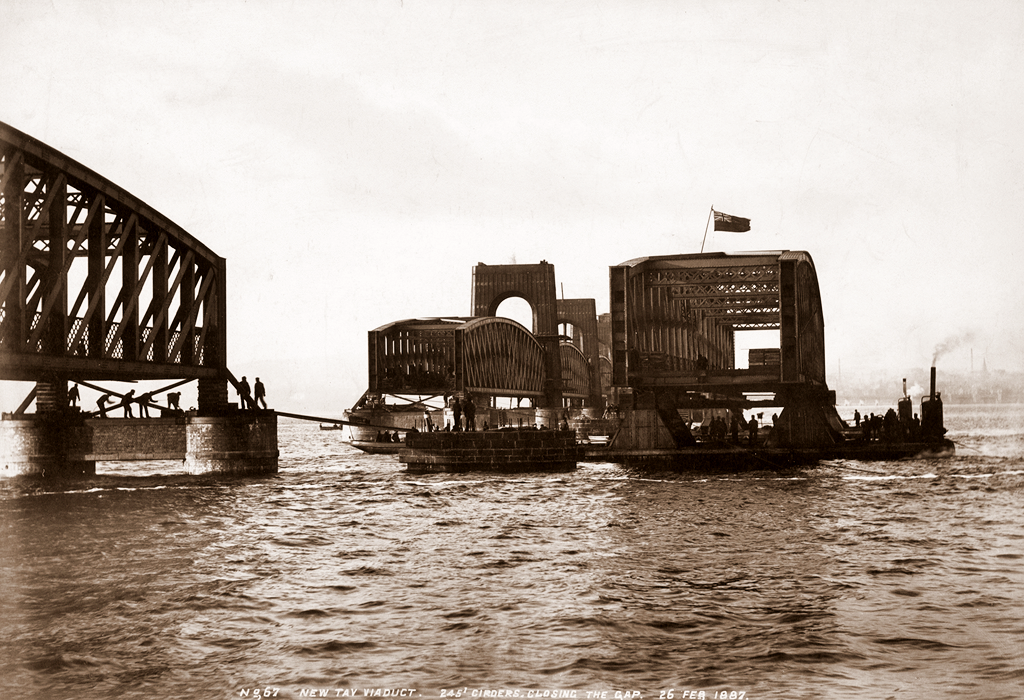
(706, 228)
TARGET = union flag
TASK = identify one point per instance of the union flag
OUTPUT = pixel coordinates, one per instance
(728, 222)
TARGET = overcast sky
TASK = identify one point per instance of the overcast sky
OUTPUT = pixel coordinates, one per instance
(354, 160)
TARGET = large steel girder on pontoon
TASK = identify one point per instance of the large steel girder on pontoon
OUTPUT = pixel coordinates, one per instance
(500, 358)
(456, 356)
(674, 320)
(534, 283)
(94, 283)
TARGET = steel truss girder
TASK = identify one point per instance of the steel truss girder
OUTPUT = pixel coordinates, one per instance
(575, 371)
(678, 314)
(91, 275)
(717, 275)
(486, 355)
(501, 358)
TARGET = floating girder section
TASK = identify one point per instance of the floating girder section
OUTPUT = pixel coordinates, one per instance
(501, 358)
(94, 283)
(489, 355)
(415, 356)
(674, 320)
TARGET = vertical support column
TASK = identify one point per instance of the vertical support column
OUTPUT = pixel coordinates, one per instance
(213, 392)
(129, 284)
(553, 372)
(51, 396)
(12, 241)
(186, 299)
(459, 370)
(213, 396)
(788, 327)
(216, 349)
(95, 283)
(373, 342)
(617, 297)
(664, 329)
(55, 297)
(160, 271)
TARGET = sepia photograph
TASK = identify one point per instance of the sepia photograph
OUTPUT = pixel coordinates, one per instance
(617, 350)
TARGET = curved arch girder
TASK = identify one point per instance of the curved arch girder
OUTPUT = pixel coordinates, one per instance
(501, 358)
(575, 371)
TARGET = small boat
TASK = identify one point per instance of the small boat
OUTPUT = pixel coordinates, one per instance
(332, 426)
(366, 419)
(377, 448)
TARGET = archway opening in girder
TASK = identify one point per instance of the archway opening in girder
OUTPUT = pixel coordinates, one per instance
(517, 309)
(756, 340)
(568, 332)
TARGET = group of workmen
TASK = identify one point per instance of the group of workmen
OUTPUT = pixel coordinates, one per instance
(466, 408)
(717, 429)
(890, 427)
(249, 398)
(144, 401)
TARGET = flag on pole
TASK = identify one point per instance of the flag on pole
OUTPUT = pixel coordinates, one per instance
(728, 222)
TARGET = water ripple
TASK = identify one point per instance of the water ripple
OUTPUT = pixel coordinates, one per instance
(846, 581)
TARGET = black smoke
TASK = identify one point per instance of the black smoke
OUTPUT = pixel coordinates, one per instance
(951, 343)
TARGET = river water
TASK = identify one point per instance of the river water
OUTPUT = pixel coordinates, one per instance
(342, 574)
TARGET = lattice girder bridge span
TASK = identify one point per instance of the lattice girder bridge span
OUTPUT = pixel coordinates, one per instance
(97, 285)
(455, 356)
(674, 324)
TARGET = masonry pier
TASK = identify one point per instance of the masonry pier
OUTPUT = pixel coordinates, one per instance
(53, 445)
(68, 444)
(243, 443)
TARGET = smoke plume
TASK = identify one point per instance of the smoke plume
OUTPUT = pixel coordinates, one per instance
(951, 343)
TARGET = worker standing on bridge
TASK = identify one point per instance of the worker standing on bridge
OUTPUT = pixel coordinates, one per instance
(456, 415)
(144, 405)
(244, 393)
(73, 396)
(260, 393)
(101, 402)
(469, 408)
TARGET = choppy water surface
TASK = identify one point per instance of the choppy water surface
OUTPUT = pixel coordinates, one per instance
(342, 573)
